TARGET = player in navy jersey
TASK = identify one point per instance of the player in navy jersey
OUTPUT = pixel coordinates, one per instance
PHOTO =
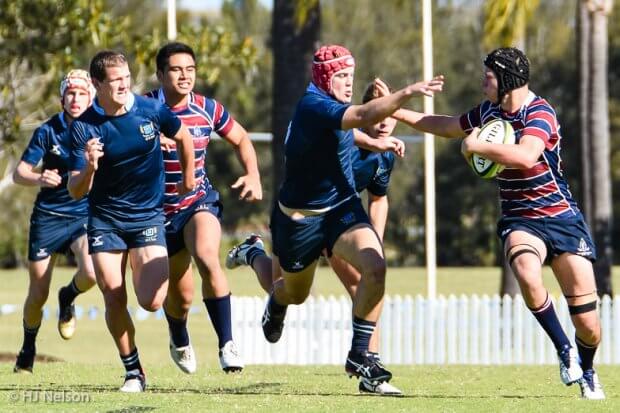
(371, 171)
(58, 222)
(193, 220)
(116, 159)
(318, 207)
(540, 220)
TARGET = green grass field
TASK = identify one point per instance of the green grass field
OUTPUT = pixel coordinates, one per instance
(90, 371)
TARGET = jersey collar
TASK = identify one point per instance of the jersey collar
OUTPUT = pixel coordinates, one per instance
(131, 100)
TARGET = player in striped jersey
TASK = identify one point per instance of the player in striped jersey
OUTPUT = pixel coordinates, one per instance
(539, 219)
(58, 222)
(193, 220)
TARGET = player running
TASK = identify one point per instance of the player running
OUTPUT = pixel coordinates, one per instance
(193, 220)
(371, 171)
(116, 158)
(540, 220)
(318, 208)
(58, 222)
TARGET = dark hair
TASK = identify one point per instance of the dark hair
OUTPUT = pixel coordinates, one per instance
(371, 92)
(103, 60)
(163, 55)
(511, 67)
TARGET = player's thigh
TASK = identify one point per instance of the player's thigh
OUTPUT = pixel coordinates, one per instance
(109, 270)
(525, 252)
(79, 247)
(150, 269)
(298, 284)
(575, 275)
(360, 246)
(202, 235)
(348, 275)
(40, 273)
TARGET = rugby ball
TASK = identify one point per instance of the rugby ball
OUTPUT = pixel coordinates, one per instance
(495, 131)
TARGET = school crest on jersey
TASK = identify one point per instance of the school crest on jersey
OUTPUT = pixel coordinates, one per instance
(148, 131)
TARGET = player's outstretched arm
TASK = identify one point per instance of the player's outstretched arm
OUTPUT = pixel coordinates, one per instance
(441, 125)
(185, 150)
(249, 184)
(81, 181)
(386, 144)
(357, 116)
(25, 174)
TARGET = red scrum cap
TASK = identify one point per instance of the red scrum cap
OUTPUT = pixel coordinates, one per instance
(329, 60)
(77, 79)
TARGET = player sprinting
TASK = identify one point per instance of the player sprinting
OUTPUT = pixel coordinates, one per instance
(116, 159)
(193, 220)
(371, 171)
(58, 222)
(539, 219)
(318, 207)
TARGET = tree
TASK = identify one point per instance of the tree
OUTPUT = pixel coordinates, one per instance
(596, 134)
(294, 35)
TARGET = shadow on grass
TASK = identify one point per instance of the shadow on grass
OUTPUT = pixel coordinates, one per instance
(133, 409)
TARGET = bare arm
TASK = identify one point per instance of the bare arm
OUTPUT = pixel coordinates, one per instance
(442, 125)
(185, 150)
(81, 181)
(377, 212)
(25, 174)
(251, 189)
(387, 144)
(524, 155)
(357, 116)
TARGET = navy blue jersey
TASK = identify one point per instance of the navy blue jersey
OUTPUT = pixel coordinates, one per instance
(318, 154)
(51, 143)
(372, 170)
(129, 183)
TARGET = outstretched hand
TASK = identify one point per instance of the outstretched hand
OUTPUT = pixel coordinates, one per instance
(391, 144)
(427, 87)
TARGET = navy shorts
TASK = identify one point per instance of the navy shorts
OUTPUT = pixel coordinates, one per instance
(298, 243)
(50, 234)
(104, 235)
(177, 221)
(559, 235)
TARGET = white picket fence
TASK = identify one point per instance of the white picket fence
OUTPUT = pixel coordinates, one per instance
(452, 330)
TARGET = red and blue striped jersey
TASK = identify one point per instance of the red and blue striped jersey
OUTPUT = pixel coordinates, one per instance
(201, 116)
(540, 191)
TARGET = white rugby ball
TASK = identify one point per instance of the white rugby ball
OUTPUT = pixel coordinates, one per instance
(495, 131)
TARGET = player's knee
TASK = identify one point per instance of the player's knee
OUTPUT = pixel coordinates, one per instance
(586, 322)
(375, 272)
(151, 303)
(298, 297)
(115, 300)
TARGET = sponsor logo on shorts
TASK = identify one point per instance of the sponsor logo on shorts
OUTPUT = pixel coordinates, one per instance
(96, 241)
(506, 231)
(148, 131)
(583, 249)
(380, 171)
(297, 265)
(42, 252)
(348, 219)
(150, 234)
(56, 150)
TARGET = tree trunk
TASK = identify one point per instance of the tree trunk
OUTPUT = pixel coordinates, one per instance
(293, 43)
(599, 131)
(583, 52)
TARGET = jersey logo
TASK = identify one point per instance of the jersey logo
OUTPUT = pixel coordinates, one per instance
(55, 150)
(348, 218)
(96, 241)
(583, 248)
(196, 132)
(42, 252)
(150, 234)
(148, 131)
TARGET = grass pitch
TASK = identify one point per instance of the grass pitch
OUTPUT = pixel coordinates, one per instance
(89, 373)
